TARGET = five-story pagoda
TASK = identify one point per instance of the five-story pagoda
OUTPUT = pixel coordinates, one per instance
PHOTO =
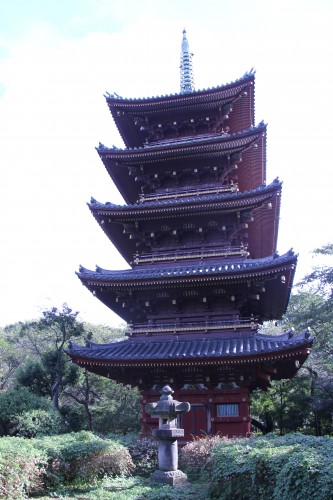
(199, 230)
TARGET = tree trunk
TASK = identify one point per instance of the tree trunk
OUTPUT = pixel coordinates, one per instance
(57, 381)
(89, 417)
(87, 401)
(55, 393)
(281, 409)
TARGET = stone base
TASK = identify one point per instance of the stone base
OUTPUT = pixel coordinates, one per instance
(172, 477)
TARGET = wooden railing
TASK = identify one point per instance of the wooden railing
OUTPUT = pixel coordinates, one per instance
(195, 327)
(179, 255)
(184, 193)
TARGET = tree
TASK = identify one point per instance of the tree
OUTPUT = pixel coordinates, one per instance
(285, 407)
(49, 369)
(59, 326)
(39, 373)
(10, 359)
(14, 403)
(310, 393)
(44, 368)
(40, 364)
(119, 410)
(104, 334)
(86, 392)
(108, 406)
(321, 277)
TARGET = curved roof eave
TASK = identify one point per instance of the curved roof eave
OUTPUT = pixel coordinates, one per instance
(238, 197)
(116, 100)
(234, 270)
(185, 144)
(253, 347)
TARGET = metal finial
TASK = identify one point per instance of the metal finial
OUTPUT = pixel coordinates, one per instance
(186, 73)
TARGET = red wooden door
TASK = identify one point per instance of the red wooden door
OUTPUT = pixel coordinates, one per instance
(196, 422)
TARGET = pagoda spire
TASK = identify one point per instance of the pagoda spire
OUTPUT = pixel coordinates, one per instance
(186, 73)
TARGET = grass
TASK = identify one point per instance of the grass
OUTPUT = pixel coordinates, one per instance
(132, 488)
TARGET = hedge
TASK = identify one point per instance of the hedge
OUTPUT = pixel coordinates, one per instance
(291, 467)
(34, 465)
(22, 467)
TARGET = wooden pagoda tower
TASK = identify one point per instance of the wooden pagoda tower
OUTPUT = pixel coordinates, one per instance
(199, 230)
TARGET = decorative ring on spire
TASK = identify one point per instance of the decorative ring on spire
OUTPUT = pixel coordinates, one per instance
(186, 72)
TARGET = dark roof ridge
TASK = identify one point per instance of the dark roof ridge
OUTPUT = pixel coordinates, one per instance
(287, 335)
(118, 98)
(241, 265)
(275, 184)
(207, 138)
(222, 347)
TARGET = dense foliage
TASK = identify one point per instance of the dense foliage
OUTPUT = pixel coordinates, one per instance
(293, 466)
(37, 464)
(195, 457)
(32, 357)
(21, 467)
(144, 455)
(36, 423)
(17, 402)
(304, 403)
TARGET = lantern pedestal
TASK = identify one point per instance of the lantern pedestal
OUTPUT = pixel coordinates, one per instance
(166, 410)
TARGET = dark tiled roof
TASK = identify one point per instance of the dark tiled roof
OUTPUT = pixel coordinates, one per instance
(192, 141)
(204, 270)
(193, 201)
(190, 349)
(115, 98)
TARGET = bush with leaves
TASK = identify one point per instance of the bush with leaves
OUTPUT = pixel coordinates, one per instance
(292, 466)
(82, 457)
(74, 418)
(14, 403)
(144, 455)
(195, 456)
(38, 423)
(119, 410)
(21, 468)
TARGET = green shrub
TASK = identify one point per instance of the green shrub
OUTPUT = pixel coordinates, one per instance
(74, 417)
(289, 467)
(38, 423)
(21, 468)
(144, 455)
(33, 465)
(195, 456)
(125, 439)
(119, 410)
(82, 457)
(15, 402)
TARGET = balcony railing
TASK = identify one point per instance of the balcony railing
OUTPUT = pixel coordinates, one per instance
(193, 327)
(185, 193)
(178, 255)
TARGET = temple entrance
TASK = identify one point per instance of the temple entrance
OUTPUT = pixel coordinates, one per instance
(196, 422)
(224, 412)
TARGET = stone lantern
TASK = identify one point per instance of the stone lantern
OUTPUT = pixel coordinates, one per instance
(166, 410)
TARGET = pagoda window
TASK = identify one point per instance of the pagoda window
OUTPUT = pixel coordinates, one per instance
(227, 410)
(190, 293)
(188, 226)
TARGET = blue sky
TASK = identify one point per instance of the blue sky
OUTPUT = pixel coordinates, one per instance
(57, 59)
